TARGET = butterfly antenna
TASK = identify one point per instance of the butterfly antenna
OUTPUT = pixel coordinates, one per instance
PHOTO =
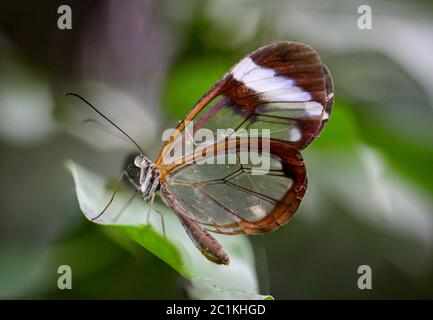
(106, 118)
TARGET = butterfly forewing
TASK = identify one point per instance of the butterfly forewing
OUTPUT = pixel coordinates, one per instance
(282, 87)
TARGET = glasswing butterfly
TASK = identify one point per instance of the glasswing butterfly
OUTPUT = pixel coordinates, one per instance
(282, 87)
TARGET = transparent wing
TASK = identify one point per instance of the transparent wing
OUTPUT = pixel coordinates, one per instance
(283, 88)
(229, 191)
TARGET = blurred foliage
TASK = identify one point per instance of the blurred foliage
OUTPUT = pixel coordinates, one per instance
(188, 80)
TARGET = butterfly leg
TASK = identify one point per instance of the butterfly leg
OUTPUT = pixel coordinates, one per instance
(162, 222)
(124, 173)
(137, 190)
(118, 214)
(149, 209)
(157, 211)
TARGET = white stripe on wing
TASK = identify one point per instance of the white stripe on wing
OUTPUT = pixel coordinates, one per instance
(273, 87)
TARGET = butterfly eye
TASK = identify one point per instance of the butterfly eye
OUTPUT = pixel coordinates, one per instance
(140, 161)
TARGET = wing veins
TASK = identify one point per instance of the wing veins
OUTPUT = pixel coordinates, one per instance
(209, 196)
(258, 195)
(209, 219)
(276, 117)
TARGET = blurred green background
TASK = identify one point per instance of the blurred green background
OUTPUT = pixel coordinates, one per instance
(145, 63)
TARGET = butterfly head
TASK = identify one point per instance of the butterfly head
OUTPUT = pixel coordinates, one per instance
(141, 161)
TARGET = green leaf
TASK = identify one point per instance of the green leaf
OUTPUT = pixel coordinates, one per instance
(342, 132)
(188, 80)
(208, 280)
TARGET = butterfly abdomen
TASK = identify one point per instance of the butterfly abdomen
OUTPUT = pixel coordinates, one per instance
(207, 244)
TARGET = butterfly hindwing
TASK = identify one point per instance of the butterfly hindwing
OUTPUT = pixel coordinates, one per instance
(240, 197)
